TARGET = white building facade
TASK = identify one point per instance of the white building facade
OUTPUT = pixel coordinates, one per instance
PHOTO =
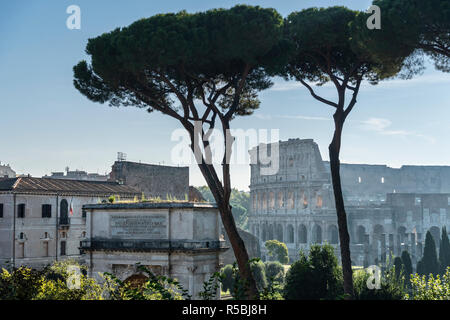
(41, 220)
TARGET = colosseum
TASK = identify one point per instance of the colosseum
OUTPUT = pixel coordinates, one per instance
(388, 209)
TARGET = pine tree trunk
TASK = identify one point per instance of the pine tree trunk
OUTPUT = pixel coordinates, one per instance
(237, 244)
(240, 252)
(344, 238)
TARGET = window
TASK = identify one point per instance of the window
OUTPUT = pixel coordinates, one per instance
(382, 179)
(21, 210)
(417, 201)
(83, 213)
(63, 248)
(1, 210)
(45, 249)
(46, 211)
(359, 180)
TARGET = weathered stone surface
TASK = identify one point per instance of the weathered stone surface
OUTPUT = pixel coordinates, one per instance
(179, 240)
(251, 243)
(153, 180)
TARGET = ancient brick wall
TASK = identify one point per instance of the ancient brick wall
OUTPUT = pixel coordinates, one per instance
(152, 180)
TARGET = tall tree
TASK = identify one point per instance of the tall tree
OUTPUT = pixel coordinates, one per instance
(429, 262)
(418, 24)
(325, 48)
(212, 63)
(444, 251)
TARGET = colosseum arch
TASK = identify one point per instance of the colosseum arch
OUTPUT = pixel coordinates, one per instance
(302, 234)
(333, 236)
(291, 200)
(360, 234)
(270, 233)
(264, 201)
(290, 234)
(279, 232)
(271, 200)
(259, 201)
(378, 229)
(316, 234)
(280, 200)
(264, 234)
(401, 232)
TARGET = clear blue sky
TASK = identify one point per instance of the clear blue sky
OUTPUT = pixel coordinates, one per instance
(46, 125)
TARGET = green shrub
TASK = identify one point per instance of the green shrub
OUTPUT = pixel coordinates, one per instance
(317, 276)
(431, 287)
(277, 250)
(391, 286)
(274, 271)
(259, 273)
(227, 278)
(20, 283)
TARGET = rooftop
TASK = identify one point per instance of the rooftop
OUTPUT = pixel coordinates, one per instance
(65, 186)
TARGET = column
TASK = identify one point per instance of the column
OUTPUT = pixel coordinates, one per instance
(391, 245)
(398, 248)
(383, 247)
(367, 256)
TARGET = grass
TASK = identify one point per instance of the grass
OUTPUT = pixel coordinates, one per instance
(143, 199)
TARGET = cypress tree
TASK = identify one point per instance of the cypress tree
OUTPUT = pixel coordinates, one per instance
(444, 251)
(430, 263)
(419, 267)
(398, 265)
(407, 264)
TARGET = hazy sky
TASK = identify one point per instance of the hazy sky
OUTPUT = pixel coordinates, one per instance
(46, 124)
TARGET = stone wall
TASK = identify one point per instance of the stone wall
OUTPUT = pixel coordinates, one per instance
(251, 243)
(370, 183)
(152, 180)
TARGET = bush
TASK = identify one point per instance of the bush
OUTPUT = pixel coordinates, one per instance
(277, 250)
(232, 281)
(433, 288)
(391, 286)
(315, 277)
(274, 272)
(259, 273)
(20, 284)
(227, 278)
